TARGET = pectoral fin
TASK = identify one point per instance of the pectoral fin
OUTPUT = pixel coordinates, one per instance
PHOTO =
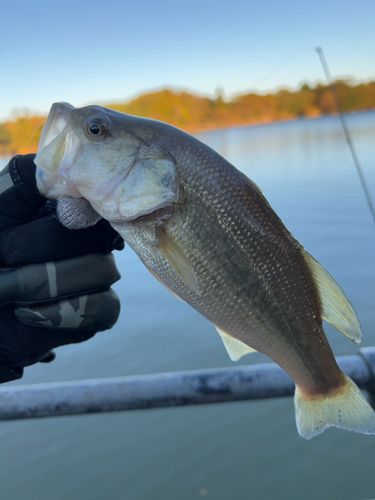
(336, 308)
(234, 347)
(166, 286)
(177, 260)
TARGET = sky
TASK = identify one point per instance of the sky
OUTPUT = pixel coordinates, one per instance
(87, 52)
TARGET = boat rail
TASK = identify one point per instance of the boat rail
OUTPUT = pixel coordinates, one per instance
(165, 390)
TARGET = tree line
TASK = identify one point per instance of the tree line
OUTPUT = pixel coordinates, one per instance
(193, 113)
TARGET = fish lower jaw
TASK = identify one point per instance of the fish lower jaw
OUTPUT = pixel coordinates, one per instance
(158, 215)
(56, 185)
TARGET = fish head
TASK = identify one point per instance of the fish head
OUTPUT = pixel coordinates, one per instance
(109, 158)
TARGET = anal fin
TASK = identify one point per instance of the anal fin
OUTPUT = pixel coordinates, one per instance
(235, 348)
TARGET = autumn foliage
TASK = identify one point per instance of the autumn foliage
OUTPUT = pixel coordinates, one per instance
(194, 113)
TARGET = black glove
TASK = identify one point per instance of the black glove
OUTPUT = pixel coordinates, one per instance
(54, 282)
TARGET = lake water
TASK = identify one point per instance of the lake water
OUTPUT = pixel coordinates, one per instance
(235, 451)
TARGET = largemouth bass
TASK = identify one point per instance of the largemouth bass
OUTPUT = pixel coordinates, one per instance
(208, 234)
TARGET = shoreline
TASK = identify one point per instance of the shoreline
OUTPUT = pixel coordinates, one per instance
(272, 122)
(213, 128)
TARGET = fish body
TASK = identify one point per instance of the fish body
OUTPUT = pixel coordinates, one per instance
(209, 235)
(253, 281)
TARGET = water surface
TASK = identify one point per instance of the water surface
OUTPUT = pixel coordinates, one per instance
(231, 451)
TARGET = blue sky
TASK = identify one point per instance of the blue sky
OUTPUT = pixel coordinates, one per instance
(94, 51)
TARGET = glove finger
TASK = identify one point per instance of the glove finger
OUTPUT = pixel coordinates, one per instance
(76, 213)
(29, 333)
(19, 196)
(48, 357)
(8, 372)
(93, 313)
(63, 278)
(47, 239)
(27, 344)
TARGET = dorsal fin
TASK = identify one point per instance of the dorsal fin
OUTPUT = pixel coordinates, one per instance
(336, 308)
(235, 348)
(177, 260)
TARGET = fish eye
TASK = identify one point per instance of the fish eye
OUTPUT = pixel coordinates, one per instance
(97, 127)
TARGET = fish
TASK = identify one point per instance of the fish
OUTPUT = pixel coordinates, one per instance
(209, 235)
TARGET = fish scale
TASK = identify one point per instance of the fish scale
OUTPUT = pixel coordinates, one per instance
(210, 236)
(225, 261)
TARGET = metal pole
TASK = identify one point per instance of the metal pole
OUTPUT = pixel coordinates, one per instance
(166, 389)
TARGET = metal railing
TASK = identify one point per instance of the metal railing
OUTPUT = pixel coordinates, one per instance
(168, 389)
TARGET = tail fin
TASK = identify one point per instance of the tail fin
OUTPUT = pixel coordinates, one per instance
(347, 409)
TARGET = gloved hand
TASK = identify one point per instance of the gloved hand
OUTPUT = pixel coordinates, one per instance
(54, 282)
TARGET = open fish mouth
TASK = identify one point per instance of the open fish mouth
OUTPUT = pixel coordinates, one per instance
(57, 120)
(58, 150)
(91, 153)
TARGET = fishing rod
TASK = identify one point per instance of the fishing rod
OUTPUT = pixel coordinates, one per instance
(327, 73)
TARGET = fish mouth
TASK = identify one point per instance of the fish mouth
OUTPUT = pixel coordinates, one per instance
(58, 119)
(160, 214)
(120, 187)
(57, 151)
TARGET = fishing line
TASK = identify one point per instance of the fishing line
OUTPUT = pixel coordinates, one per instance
(40, 124)
(327, 73)
(282, 65)
(319, 50)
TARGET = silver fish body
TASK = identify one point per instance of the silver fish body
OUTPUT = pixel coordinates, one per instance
(212, 238)
(254, 283)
